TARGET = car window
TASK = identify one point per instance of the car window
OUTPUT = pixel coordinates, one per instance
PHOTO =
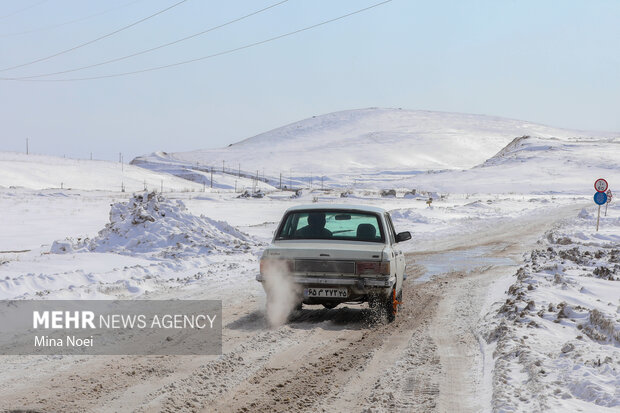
(330, 224)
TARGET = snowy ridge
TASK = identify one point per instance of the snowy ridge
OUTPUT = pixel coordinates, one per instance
(533, 165)
(202, 174)
(44, 172)
(149, 224)
(578, 151)
(513, 146)
(368, 140)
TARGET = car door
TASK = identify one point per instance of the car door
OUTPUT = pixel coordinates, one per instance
(399, 256)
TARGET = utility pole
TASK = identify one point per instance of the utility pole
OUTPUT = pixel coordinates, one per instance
(223, 166)
(256, 182)
(91, 156)
(27, 149)
(280, 181)
(120, 155)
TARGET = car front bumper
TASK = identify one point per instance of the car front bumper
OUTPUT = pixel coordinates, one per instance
(356, 285)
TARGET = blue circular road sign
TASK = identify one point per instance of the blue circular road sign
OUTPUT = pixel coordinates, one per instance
(600, 198)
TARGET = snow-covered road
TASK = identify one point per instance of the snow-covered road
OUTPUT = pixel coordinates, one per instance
(431, 359)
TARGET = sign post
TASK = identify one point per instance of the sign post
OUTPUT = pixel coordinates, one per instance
(600, 197)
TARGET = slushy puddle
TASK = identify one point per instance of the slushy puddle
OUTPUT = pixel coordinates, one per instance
(459, 261)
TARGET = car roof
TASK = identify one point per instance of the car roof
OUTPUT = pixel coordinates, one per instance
(344, 207)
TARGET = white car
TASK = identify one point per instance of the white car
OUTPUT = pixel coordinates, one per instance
(331, 254)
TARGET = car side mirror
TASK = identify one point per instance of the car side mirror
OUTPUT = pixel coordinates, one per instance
(403, 236)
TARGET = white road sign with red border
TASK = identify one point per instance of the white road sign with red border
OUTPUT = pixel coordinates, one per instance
(600, 185)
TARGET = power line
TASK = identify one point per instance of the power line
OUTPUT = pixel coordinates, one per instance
(66, 23)
(22, 10)
(95, 40)
(157, 47)
(247, 46)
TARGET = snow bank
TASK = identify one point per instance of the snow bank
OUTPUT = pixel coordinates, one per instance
(154, 225)
(557, 334)
(410, 216)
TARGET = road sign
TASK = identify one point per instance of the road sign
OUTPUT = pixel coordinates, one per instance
(601, 185)
(600, 198)
(609, 196)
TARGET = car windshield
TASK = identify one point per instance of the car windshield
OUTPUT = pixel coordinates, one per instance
(331, 225)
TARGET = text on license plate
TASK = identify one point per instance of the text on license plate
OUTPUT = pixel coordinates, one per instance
(326, 292)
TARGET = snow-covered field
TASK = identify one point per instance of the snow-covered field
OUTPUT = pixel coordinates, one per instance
(89, 249)
(156, 248)
(514, 298)
(556, 337)
(51, 172)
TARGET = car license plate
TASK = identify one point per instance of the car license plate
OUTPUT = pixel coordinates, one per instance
(326, 292)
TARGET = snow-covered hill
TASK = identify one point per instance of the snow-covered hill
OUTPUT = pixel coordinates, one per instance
(368, 148)
(365, 141)
(584, 151)
(532, 164)
(41, 172)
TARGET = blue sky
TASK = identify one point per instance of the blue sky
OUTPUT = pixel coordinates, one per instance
(552, 62)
